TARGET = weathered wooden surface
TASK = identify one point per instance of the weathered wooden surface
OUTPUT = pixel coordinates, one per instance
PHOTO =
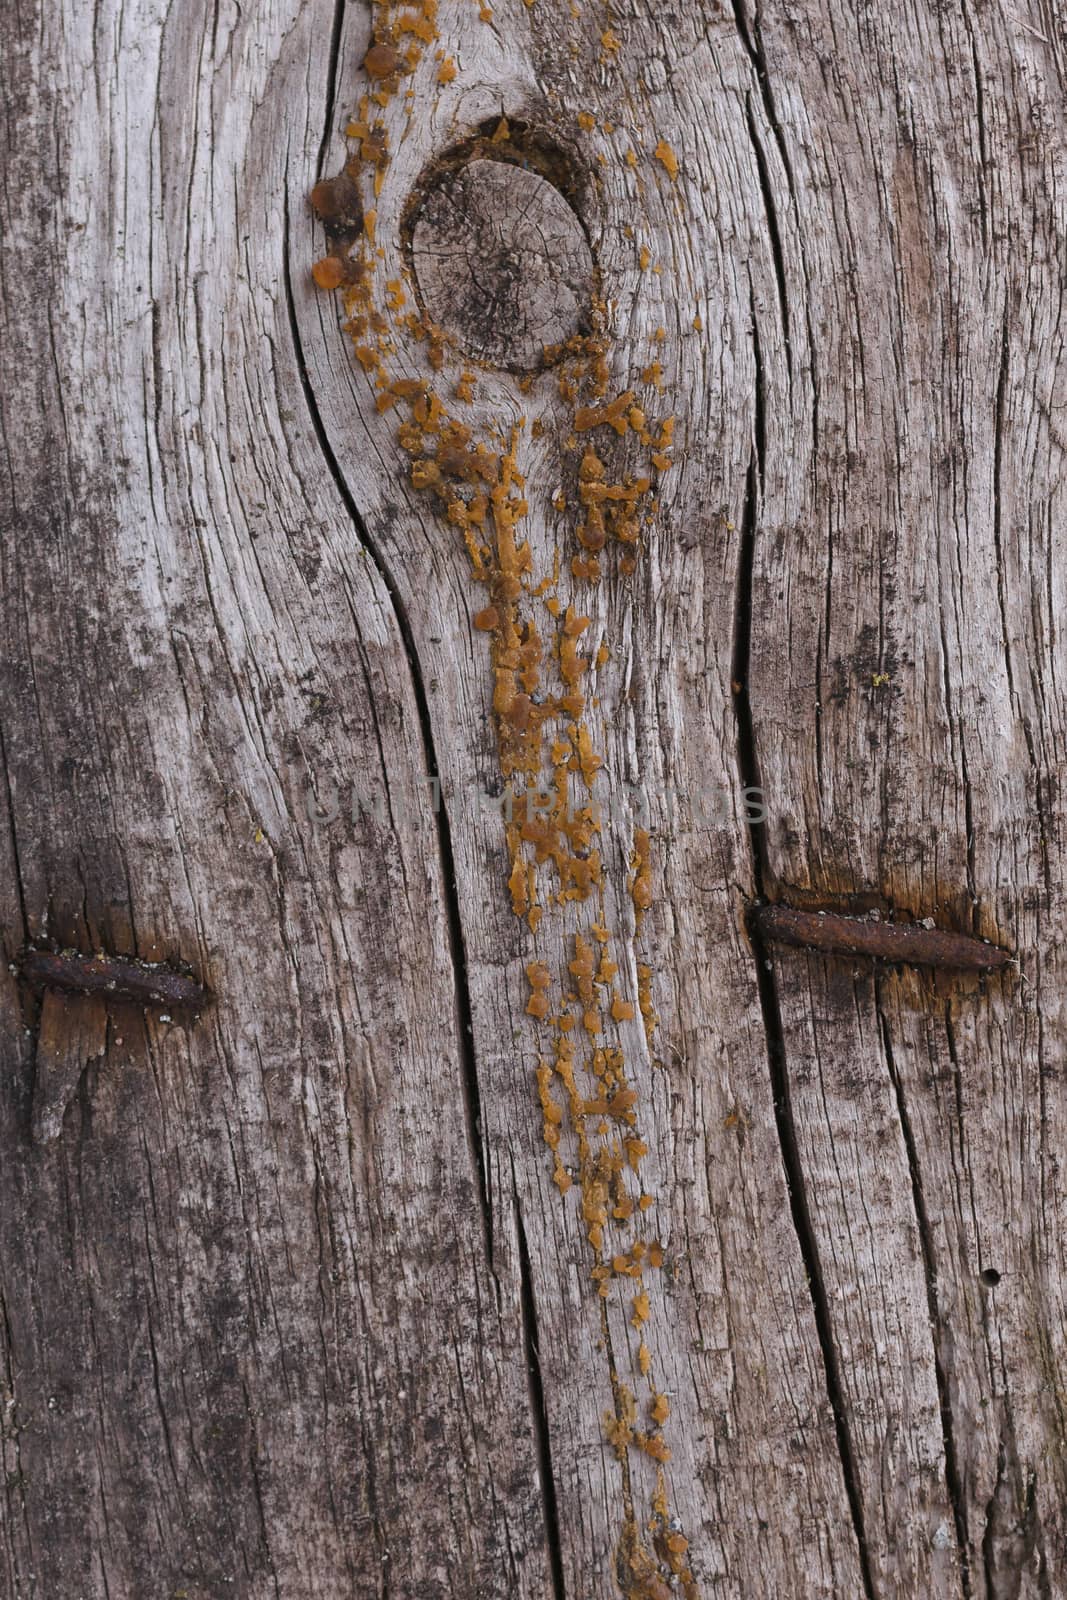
(502, 261)
(292, 1306)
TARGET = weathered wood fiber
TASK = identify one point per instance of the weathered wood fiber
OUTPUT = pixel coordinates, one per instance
(290, 1304)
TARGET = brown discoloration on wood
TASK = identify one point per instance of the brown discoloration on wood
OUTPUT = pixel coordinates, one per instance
(338, 204)
(913, 945)
(71, 1033)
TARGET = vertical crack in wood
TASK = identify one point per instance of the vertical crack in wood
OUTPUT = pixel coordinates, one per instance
(1045, 829)
(257, 1487)
(774, 233)
(336, 29)
(749, 774)
(985, 165)
(538, 1408)
(953, 1479)
(753, 47)
(10, 1429)
(965, 776)
(1012, 1530)
(456, 944)
(747, 758)
(9, 806)
(999, 404)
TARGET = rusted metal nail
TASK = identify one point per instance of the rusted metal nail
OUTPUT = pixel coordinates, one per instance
(146, 983)
(836, 934)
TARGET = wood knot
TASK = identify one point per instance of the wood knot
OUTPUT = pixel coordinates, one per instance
(502, 263)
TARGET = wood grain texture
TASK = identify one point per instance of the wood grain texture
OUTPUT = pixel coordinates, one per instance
(292, 1306)
(71, 1032)
(502, 263)
(221, 1370)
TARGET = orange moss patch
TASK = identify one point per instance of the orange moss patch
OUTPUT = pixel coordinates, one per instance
(667, 159)
(641, 882)
(644, 998)
(329, 273)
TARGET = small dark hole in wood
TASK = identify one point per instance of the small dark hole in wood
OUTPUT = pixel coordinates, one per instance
(990, 1276)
